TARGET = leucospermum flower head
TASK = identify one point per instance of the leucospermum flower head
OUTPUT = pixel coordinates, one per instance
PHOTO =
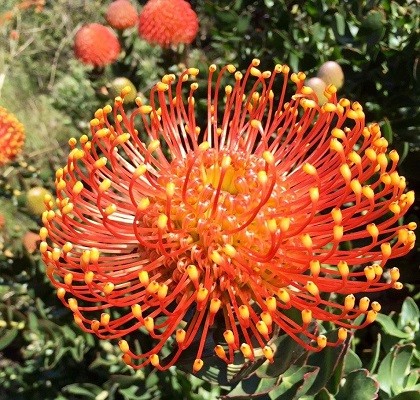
(213, 232)
(168, 22)
(96, 45)
(121, 14)
(12, 136)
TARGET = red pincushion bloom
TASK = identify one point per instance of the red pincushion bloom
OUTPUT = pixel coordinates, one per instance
(12, 136)
(121, 14)
(96, 44)
(168, 22)
(183, 230)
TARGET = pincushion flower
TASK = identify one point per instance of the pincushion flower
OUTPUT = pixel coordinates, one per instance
(96, 45)
(121, 14)
(176, 229)
(168, 22)
(12, 136)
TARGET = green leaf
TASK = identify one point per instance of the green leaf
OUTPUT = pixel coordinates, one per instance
(410, 395)
(8, 338)
(384, 374)
(389, 327)
(400, 366)
(351, 362)
(409, 315)
(358, 385)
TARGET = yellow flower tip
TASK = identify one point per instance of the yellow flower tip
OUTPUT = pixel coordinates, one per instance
(321, 341)
(397, 285)
(94, 122)
(144, 277)
(267, 318)
(162, 221)
(262, 177)
(145, 109)
(108, 288)
(247, 351)
(202, 294)
(215, 305)
(198, 364)
(229, 337)
(255, 62)
(213, 68)
(123, 345)
(375, 306)
(378, 269)
(229, 250)
(180, 336)
(364, 304)
(315, 267)
(192, 272)
(349, 302)
(118, 100)
(154, 360)
(162, 87)
(43, 233)
(152, 287)
(104, 185)
(105, 318)
(271, 304)
(149, 324)
(95, 325)
(371, 316)
(306, 316)
(238, 76)
(314, 194)
(312, 288)
(73, 304)
(107, 109)
(268, 353)
(309, 169)
(127, 359)
(262, 328)
(88, 278)
(244, 312)
(136, 311)
(306, 240)
(395, 274)
(369, 273)
(94, 255)
(283, 295)
(255, 72)
(72, 142)
(373, 230)
(110, 209)
(342, 334)
(216, 257)
(220, 352)
(328, 107)
(61, 292)
(386, 250)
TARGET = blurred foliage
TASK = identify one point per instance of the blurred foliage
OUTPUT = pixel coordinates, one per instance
(42, 353)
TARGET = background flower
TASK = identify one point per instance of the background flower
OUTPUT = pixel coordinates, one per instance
(168, 22)
(12, 136)
(96, 44)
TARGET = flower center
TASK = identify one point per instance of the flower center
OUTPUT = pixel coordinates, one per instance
(220, 212)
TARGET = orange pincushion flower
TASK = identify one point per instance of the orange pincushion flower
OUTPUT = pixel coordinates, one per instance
(180, 230)
(168, 22)
(12, 136)
(96, 44)
(121, 14)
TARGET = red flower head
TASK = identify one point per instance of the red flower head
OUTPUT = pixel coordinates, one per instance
(96, 44)
(168, 22)
(121, 14)
(12, 136)
(177, 229)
